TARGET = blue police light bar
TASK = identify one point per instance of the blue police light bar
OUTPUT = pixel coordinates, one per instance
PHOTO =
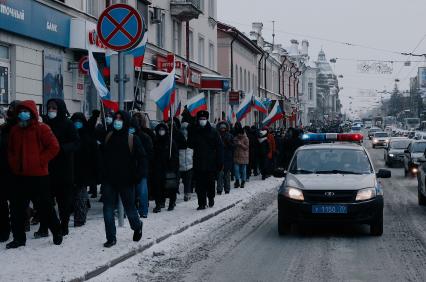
(323, 137)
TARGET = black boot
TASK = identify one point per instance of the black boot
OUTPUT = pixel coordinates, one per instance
(156, 210)
(211, 203)
(171, 206)
(4, 237)
(57, 238)
(41, 234)
(15, 244)
(242, 184)
(201, 208)
(64, 228)
(137, 235)
(110, 243)
(237, 184)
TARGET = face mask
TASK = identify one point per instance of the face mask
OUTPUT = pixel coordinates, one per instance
(203, 122)
(132, 130)
(78, 125)
(52, 114)
(108, 120)
(162, 132)
(118, 124)
(24, 116)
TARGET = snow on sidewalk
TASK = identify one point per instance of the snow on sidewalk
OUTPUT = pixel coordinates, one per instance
(82, 251)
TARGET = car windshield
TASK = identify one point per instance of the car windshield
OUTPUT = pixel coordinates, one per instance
(400, 144)
(381, 134)
(330, 161)
(419, 147)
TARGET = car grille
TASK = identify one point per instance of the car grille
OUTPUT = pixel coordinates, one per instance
(329, 196)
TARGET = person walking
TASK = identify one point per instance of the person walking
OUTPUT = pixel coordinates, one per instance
(142, 197)
(208, 158)
(241, 157)
(61, 168)
(264, 149)
(86, 168)
(32, 145)
(224, 176)
(166, 169)
(5, 172)
(186, 163)
(125, 164)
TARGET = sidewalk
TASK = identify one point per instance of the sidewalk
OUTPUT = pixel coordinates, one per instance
(82, 256)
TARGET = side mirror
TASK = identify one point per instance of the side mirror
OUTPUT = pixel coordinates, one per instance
(384, 173)
(280, 173)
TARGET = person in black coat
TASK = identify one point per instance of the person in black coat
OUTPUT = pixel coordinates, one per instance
(208, 158)
(264, 148)
(224, 176)
(125, 164)
(5, 173)
(165, 166)
(252, 168)
(61, 168)
(86, 167)
(290, 144)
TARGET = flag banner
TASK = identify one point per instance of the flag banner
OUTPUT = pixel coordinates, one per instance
(258, 105)
(245, 106)
(275, 115)
(196, 104)
(164, 94)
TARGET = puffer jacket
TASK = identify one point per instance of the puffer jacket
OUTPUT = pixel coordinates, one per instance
(242, 149)
(185, 159)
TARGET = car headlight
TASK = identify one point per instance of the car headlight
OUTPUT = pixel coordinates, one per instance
(375, 140)
(391, 155)
(293, 193)
(366, 194)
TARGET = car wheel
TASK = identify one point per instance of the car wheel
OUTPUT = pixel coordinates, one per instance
(374, 146)
(283, 226)
(421, 197)
(376, 228)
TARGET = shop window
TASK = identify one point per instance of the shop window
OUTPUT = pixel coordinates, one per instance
(4, 52)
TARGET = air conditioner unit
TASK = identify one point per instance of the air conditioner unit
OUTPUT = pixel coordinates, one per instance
(156, 16)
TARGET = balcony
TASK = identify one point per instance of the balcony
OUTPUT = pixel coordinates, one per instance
(185, 10)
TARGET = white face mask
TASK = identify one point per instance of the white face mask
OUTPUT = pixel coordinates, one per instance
(161, 132)
(203, 122)
(52, 114)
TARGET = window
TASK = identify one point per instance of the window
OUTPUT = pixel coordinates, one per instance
(177, 37)
(211, 56)
(241, 78)
(202, 5)
(254, 82)
(191, 44)
(310, 91)
(245, 80)
(161, 31)
(201, 52)
(4, 52)
(249, 81)
(236, 77)
(211, 8)
(92, 7)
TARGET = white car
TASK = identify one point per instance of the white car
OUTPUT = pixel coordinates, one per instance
(380, 139)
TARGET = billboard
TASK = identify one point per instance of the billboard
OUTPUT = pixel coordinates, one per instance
(53, 77)
(422, 78)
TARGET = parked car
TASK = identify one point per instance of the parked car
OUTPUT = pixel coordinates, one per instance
(415, 150)
(394, 152)
(421, 181)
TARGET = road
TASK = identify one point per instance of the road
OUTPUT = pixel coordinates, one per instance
(245, 246)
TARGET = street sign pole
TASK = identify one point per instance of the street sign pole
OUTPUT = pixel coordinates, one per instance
(121, 80)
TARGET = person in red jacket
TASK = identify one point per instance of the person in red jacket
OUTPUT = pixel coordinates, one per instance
(31, 146)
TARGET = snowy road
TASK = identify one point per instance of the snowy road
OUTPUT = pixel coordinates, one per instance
(243, 245)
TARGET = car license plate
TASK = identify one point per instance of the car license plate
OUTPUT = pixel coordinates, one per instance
(330, 209)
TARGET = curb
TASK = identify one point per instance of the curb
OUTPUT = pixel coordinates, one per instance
(101, 269)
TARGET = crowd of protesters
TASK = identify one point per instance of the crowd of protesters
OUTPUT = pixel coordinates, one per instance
(58, 160)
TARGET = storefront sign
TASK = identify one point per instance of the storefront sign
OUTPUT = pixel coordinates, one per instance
(35, 20)
(195, 78)
(234, 98)
(164, 65)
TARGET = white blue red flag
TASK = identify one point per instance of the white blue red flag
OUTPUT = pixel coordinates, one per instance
(178, 110)
(164, 94)
(245, 107)
(138, 53)
(196, 104)
(100, 85)
(275, 115)
(258, 105)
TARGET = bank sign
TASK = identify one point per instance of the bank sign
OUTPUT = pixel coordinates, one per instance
(32, 19)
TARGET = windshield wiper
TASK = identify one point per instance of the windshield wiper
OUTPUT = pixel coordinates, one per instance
(302, 171)
(337, 171)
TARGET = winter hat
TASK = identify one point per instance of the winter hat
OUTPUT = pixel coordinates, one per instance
(202, 114)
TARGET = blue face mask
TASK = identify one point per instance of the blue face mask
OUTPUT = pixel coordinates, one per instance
(118, 124)
(132, 130)
(24, 116)
(78, 125)
(108, 120)
(52, 114)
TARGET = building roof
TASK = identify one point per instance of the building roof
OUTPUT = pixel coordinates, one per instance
(322, 64)
(240, 37)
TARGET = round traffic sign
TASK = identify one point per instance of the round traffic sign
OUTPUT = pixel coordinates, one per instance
(83, 65)
(120, 27)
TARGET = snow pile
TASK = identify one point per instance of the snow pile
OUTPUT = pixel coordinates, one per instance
(82, 251)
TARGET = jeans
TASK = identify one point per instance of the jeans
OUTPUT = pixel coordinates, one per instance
(187, 181)
(240, 172)
(127, 195)
(224, 181)
(142, 196)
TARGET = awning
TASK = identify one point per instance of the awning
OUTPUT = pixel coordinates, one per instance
(214, 82)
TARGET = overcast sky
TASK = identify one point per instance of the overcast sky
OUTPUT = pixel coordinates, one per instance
(391, 25)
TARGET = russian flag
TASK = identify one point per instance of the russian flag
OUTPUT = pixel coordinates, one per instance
(196, 104)
(100, 85)
(178, 110)
(164, 94)
(138, 53)
(258, 105)
(275, 115)
(245, 107)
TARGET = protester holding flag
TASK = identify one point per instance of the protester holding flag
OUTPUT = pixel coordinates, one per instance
(208, 158)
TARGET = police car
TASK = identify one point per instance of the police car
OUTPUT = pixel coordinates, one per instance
(333, 181)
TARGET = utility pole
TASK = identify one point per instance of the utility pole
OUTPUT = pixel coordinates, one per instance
(273, 35)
